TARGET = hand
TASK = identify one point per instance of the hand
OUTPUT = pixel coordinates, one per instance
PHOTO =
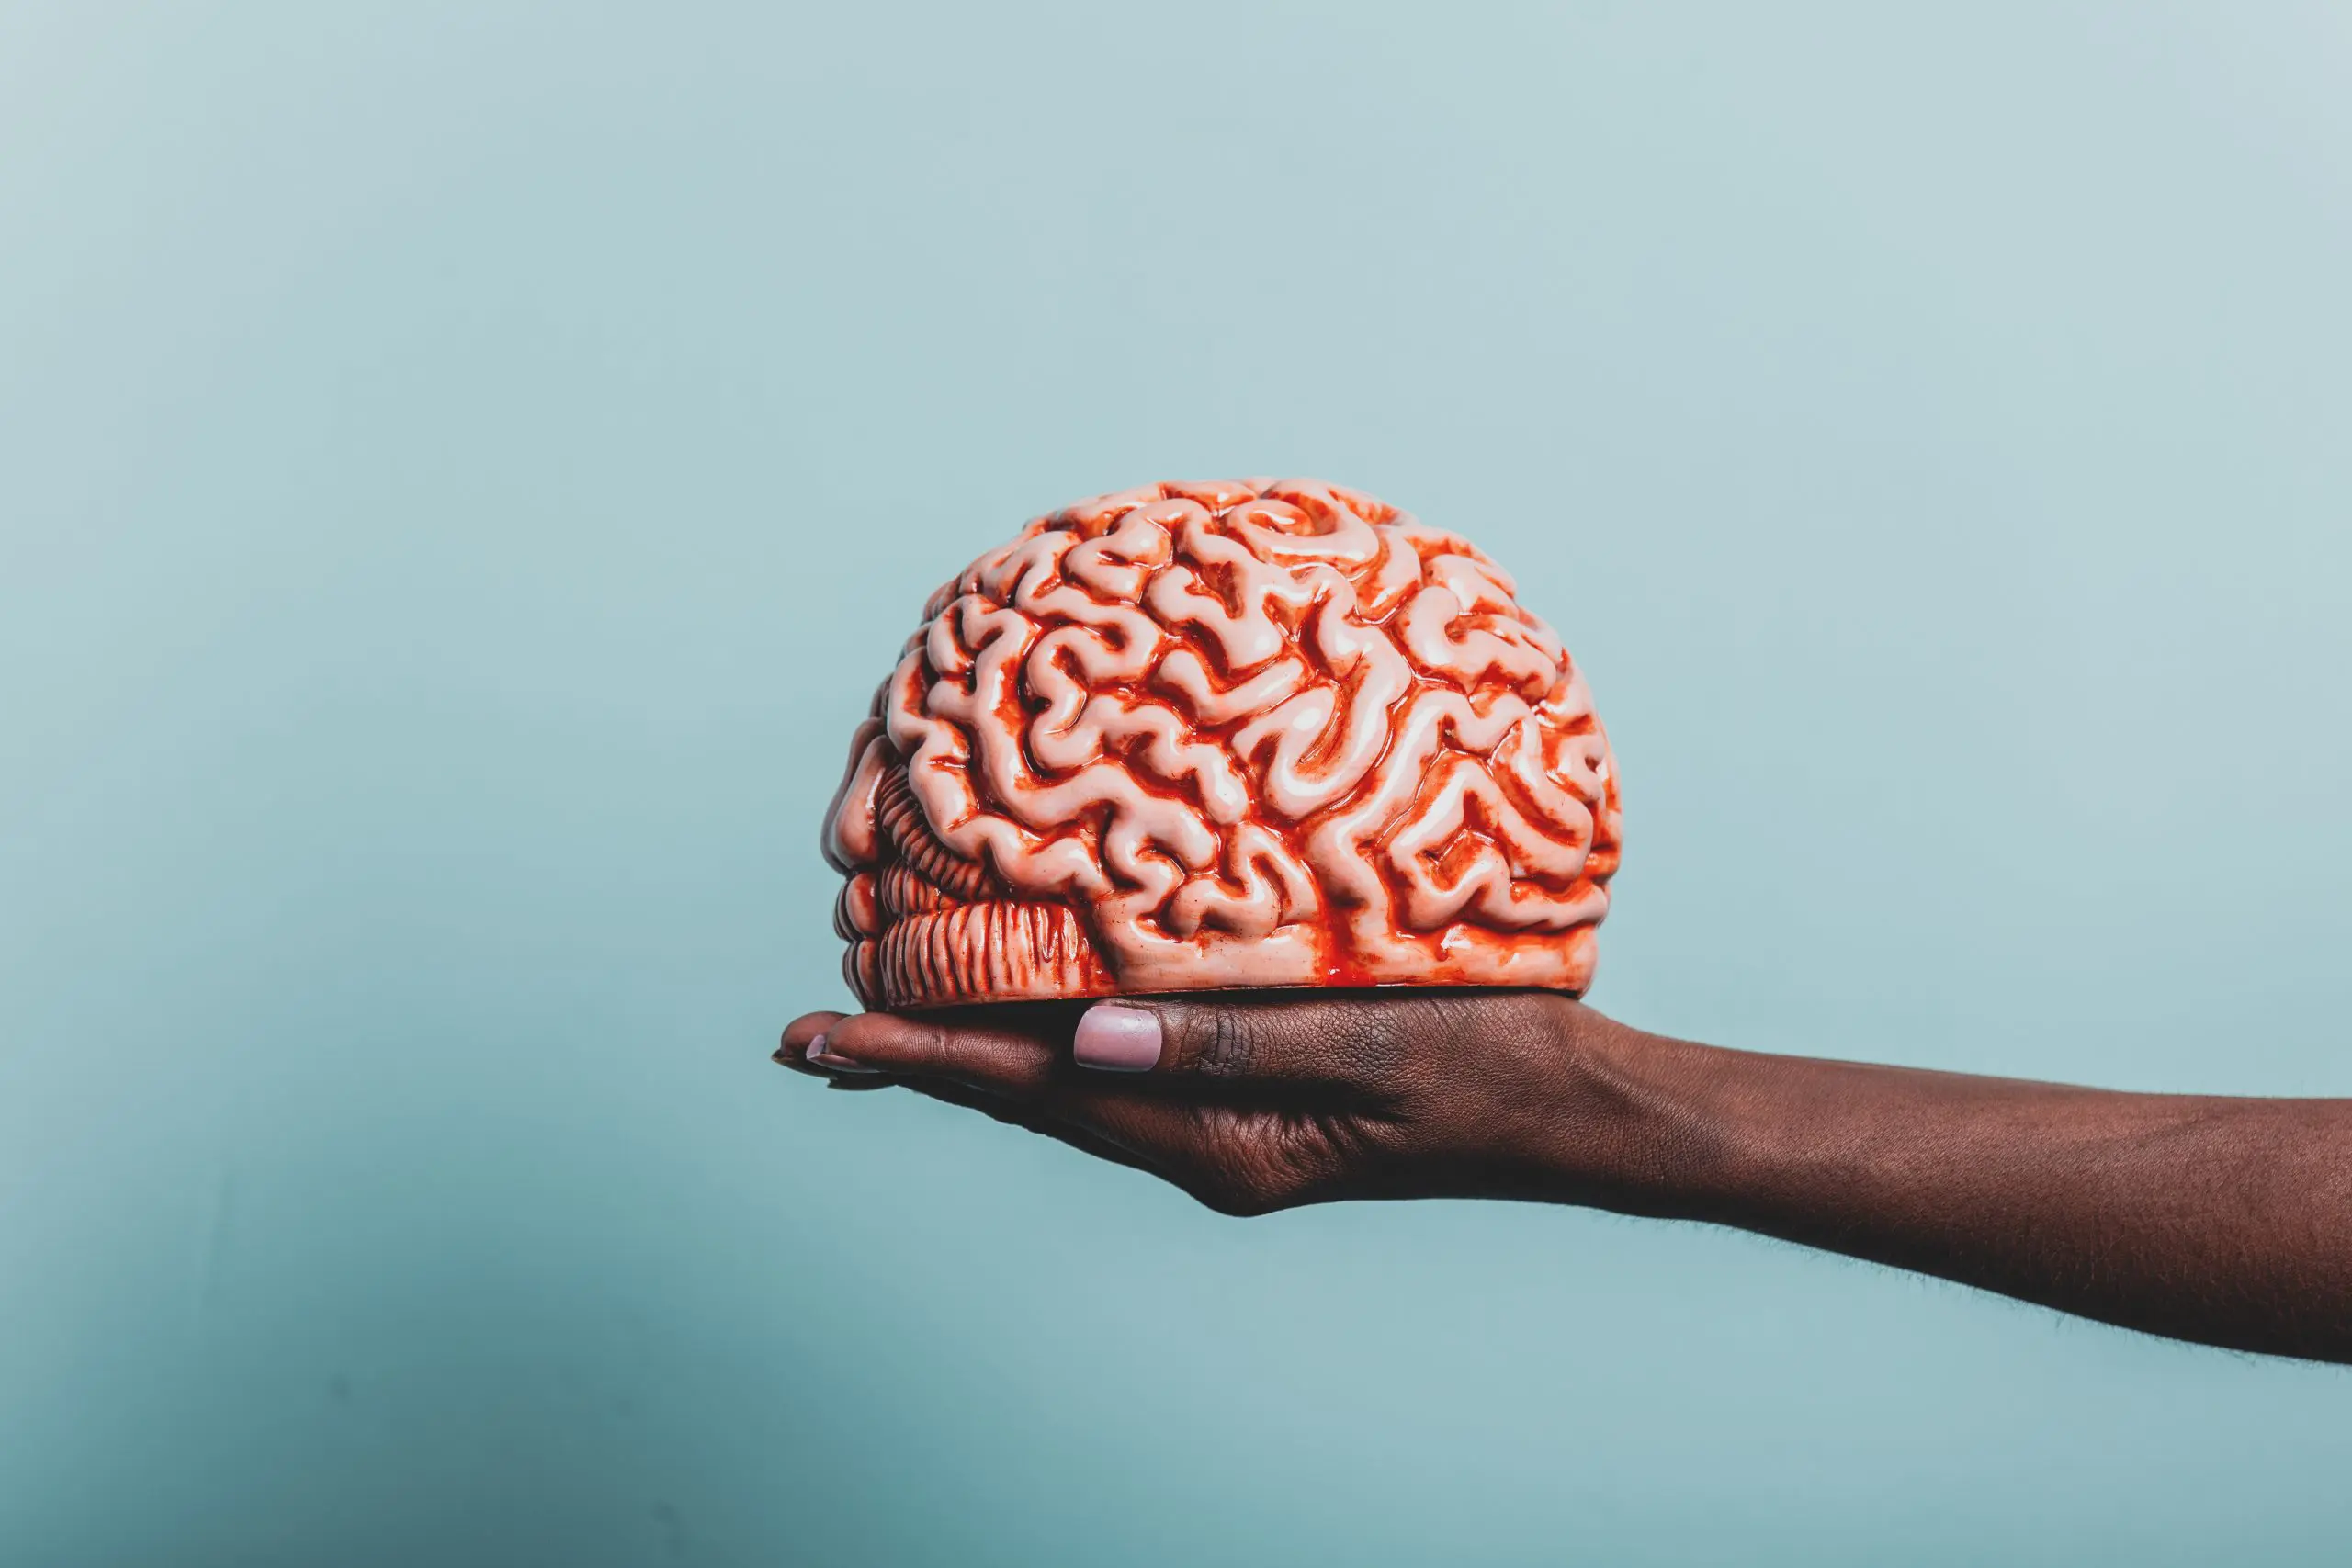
(1253, 1103)
(2208, 1218)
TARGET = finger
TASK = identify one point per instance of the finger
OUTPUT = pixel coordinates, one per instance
(1011, 1052)
(803, 1052)
(1162, 1135)
(802, 1036)
(1009, 1062)
(1304, 1039)
(1165, 1135)
(1029, 1117)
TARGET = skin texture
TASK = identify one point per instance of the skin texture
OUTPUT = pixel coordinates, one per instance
(2225, 1221)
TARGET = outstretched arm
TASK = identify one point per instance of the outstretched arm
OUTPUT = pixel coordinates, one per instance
(2227, 1221)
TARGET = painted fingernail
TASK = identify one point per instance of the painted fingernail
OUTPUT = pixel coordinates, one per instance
(1117, 1040)
(820, 1056)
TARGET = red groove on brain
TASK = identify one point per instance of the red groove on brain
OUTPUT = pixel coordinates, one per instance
(1241, 733)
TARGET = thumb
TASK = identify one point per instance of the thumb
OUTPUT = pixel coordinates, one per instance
(1304, 1038)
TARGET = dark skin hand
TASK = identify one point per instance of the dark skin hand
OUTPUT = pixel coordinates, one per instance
(2225, 1221)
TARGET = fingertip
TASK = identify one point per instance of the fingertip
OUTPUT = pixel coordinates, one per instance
(802, 1030)
(985, 1054)
(792, 1048)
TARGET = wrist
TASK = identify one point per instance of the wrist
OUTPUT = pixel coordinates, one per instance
(1637, 1123)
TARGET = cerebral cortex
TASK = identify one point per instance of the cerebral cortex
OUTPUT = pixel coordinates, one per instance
(1244, 733)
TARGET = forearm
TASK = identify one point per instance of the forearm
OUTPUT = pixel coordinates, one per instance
(2219, 1220)
(2227, 1221)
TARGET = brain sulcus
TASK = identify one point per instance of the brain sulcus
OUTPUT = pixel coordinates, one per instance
(1235, 734)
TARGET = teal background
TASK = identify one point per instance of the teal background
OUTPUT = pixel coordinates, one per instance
(463, 467)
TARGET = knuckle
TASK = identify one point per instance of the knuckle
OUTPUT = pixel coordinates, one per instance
(932, 1048)
(1216, 1042)
(1232, 1044)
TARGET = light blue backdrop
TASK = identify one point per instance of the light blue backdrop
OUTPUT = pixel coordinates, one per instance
(462, 467)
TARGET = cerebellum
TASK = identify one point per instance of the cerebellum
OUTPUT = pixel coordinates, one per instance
(1235, 734)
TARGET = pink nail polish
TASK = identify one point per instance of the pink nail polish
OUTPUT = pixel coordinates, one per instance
(1115, 1039)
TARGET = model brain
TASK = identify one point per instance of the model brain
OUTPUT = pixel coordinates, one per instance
(1235, 734)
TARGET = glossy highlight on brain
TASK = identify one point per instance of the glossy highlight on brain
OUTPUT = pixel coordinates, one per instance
(1233, 734)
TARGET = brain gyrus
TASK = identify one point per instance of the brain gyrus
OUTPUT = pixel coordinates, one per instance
(1233, 734)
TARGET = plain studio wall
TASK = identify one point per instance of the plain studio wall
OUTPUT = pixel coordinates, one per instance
(463, 467)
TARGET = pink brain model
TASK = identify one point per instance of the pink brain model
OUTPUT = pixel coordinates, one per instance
(1232, 734)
